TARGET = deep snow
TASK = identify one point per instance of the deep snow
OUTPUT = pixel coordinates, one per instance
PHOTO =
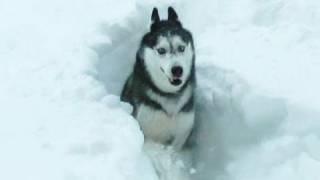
(63, 64)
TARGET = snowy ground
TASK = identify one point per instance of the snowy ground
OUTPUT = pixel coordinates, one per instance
(62, 65)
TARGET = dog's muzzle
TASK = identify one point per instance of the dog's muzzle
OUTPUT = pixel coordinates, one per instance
(176, 75)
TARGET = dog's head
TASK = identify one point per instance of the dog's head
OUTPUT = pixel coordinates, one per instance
(168, 52)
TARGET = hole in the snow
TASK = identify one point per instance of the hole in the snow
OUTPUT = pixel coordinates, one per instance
(229, 117)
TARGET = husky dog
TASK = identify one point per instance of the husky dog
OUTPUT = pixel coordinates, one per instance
(161, 86)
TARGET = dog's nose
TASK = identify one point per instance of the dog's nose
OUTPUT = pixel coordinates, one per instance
(177, 71)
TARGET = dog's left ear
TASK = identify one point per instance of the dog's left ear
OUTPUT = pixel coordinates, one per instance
(172, 15)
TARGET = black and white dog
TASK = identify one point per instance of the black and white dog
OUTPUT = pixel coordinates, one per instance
(161, 86)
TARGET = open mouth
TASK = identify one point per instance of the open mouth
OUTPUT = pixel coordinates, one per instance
(176, 81)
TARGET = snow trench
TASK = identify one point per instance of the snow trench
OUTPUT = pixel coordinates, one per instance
(240, 133)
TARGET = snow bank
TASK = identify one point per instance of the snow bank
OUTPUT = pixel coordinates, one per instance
(63, 65)
(56, 120)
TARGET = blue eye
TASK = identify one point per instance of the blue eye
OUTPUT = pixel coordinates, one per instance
(161, 51)
(181, 48)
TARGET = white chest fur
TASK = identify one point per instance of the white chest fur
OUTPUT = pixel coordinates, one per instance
(171, 125)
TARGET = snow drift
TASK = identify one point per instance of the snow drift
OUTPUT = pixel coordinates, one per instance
(63, 65)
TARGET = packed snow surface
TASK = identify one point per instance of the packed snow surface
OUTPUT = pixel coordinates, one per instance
(63, 64)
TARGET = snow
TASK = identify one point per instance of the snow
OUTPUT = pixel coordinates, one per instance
(63, 64)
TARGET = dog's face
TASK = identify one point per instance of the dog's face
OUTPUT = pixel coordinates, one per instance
(168, 52)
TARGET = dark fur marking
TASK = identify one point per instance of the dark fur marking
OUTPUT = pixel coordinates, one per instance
(147, 101)
(188, 106)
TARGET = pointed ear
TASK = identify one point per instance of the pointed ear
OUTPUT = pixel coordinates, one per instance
(155, 15)
(172, 15)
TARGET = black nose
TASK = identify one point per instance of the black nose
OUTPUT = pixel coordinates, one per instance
(177, 71)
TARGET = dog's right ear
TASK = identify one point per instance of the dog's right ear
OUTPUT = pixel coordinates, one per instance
(155, 15)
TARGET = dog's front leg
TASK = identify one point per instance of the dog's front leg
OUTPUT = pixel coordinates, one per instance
(185, 122)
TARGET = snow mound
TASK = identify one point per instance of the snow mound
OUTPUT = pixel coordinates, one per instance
(57, 122)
